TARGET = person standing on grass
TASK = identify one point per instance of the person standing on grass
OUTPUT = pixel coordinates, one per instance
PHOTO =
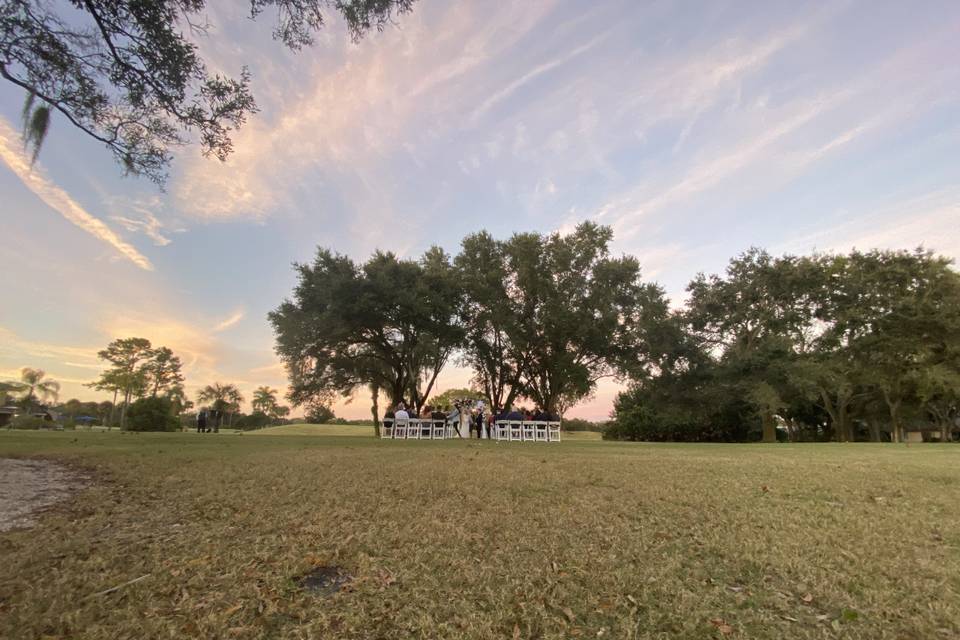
(480, 418)
(201, 422)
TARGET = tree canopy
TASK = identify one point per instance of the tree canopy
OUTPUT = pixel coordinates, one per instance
(824, 346)
(129, 74)
(538, 316)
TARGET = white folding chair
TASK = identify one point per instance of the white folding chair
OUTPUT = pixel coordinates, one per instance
(527, 430)
(386, 429)
(438, 429)
(553, 429)
(501, 430)
(413, 429)
(426, 428)
(400, 428)
(540, 432)
(516, 430)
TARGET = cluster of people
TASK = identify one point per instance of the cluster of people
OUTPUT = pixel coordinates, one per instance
(471, 416)
(208, 420)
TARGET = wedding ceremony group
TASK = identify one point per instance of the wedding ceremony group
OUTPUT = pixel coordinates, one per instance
(468, 417)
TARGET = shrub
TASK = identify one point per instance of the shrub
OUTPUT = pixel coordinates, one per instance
(29, 422)
(578, 424)
(256, 420)
(152, 414)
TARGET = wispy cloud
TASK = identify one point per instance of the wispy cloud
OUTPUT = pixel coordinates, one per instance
(59, 200)
(230, 320)
(929, 220)
(527, 77)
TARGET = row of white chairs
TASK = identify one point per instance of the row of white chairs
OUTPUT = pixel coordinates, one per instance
(507, 430)
(417, 429)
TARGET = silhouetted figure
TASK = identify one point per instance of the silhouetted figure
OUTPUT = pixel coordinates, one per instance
(202, 422)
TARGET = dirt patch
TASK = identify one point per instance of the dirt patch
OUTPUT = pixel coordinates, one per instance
(27, 487)
(324, 581)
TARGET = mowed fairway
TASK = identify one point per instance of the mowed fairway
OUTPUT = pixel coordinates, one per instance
(461, 539)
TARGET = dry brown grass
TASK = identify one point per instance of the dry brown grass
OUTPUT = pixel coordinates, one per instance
(467, 539)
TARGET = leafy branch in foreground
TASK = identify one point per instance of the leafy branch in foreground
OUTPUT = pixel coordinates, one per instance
(129, 75)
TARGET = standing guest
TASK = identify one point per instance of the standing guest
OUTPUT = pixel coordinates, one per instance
(477, 422)
(453, 418)
(202, 422)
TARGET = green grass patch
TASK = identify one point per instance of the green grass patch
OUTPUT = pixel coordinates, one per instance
(315, 430)
(468, 539)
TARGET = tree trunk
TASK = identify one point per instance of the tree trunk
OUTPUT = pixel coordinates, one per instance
(123, 411)
(113, 409)
(375, 409)
(769, 427)
(874, 430)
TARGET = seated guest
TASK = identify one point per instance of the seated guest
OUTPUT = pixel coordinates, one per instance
(527, 415)
(513, 415)
(436, 414)
(401, 413)
(542, 416)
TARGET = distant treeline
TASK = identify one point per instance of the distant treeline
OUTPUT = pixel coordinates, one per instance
(857, 346)
(863, 346)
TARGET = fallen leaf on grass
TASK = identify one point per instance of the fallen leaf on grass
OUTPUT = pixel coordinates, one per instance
(232, 610)
(721, 626)
(569, 613)
(807, 598)
(516, 632)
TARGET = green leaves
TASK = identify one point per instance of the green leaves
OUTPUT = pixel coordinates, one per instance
(36, 123)
(126, 73)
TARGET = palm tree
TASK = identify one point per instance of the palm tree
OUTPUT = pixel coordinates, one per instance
(222, 397)
(264, 399)
(34, 383)
(234, 398)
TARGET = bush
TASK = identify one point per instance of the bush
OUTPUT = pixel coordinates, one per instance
(578, 424)
(152, 414)
(256, 420)
(26, 421)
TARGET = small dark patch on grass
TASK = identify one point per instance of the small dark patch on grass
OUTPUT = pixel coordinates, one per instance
(323, 581)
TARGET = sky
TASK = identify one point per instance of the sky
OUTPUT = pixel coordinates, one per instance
(695, 130)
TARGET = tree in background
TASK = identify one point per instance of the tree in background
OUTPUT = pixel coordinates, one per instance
(446, 399)
(163, 370)
(179, 403)
(565, 315)
(34, 385)
(128, 73)
(264, 400)
(388, 325)
(842, 346)
(491, 329)
(152, 413)
(127, 374)
(225, 398)
(318, 413)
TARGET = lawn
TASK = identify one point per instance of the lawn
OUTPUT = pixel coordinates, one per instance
(468, 539)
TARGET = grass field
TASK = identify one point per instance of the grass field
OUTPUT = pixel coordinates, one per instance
(468, 539)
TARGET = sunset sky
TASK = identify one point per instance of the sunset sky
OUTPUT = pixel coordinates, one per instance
(695, 129)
